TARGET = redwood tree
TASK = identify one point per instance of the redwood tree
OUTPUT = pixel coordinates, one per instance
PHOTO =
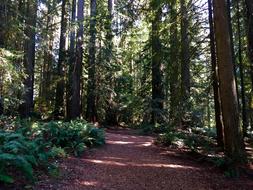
(229, 102)
(59, 99)
(217, 106)
(91, 112)
(157, 68)
(70, 109)
(29, 57)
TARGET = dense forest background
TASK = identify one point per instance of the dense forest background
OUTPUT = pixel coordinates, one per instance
(165, 66)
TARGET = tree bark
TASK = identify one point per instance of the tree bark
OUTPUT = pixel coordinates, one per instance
(231, 35)
(91, 113)
(2, 23)
(70, 107)
(75, 105)
(174, 69)
(185, 57)
(46, 92)
(241, 69)
(29, 58)
(111, 117)
(59, 99)
(249, 6)
(157, 67)
(1, 106)
(215, 83)
(229, 102)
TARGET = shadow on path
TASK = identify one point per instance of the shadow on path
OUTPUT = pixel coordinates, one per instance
(131, 162)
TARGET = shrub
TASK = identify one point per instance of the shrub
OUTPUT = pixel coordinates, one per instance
(19, 153)
(74, 137)
(167, 138)
(25, 145)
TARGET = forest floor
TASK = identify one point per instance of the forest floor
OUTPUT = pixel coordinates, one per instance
(132, 162)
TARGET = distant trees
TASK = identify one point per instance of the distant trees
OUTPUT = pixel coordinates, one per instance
(131, 63)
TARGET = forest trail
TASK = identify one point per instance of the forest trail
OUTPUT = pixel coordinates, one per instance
(132, 162)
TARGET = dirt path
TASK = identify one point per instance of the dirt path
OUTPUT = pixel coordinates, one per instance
(131, 162)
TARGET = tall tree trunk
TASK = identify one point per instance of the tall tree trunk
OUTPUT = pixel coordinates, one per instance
(111, 110)
(29, 58)
(185, 54)
(157, 69)
(59, 99)
(2, 23)
(249, 21)
(231, 35)
(174, 69)
(70, 107)
(249, 6)
(109, 35)
(46, 80)
(1, 106)
(91, 113)
(229, 102)
(217, 105)
(241, 68)
(75, 106)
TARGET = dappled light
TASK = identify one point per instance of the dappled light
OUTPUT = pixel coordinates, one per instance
(126, 94)
(134, 164)
(126, 163)
(119, 142)
(88, 183)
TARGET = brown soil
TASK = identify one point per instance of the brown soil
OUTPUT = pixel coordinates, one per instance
(132, 162)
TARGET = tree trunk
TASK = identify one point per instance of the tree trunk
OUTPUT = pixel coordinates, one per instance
(241, 68)
(249, 5)
(111, 117)
(217, 105)
(59, 99)
(157, 68)
(46, 80)
(70, 107)
(229, 104)
(1, 106)
(231, 35)
(75, 106)
(91, 113)
(2, 23)
(174, 69)
(29, 58)
(185, 58)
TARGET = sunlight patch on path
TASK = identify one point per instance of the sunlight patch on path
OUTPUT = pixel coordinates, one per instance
(133, 164)
(119, 142)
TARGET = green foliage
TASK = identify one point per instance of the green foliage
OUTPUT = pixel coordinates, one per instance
(19, 153)
(194, 140)
(191, 142)
(74, 136)
(149, 128)
(26, 145)
(167, 138)
(11, 80)
(218, 161)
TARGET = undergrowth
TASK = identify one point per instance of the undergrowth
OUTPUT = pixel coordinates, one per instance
(26, 146)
